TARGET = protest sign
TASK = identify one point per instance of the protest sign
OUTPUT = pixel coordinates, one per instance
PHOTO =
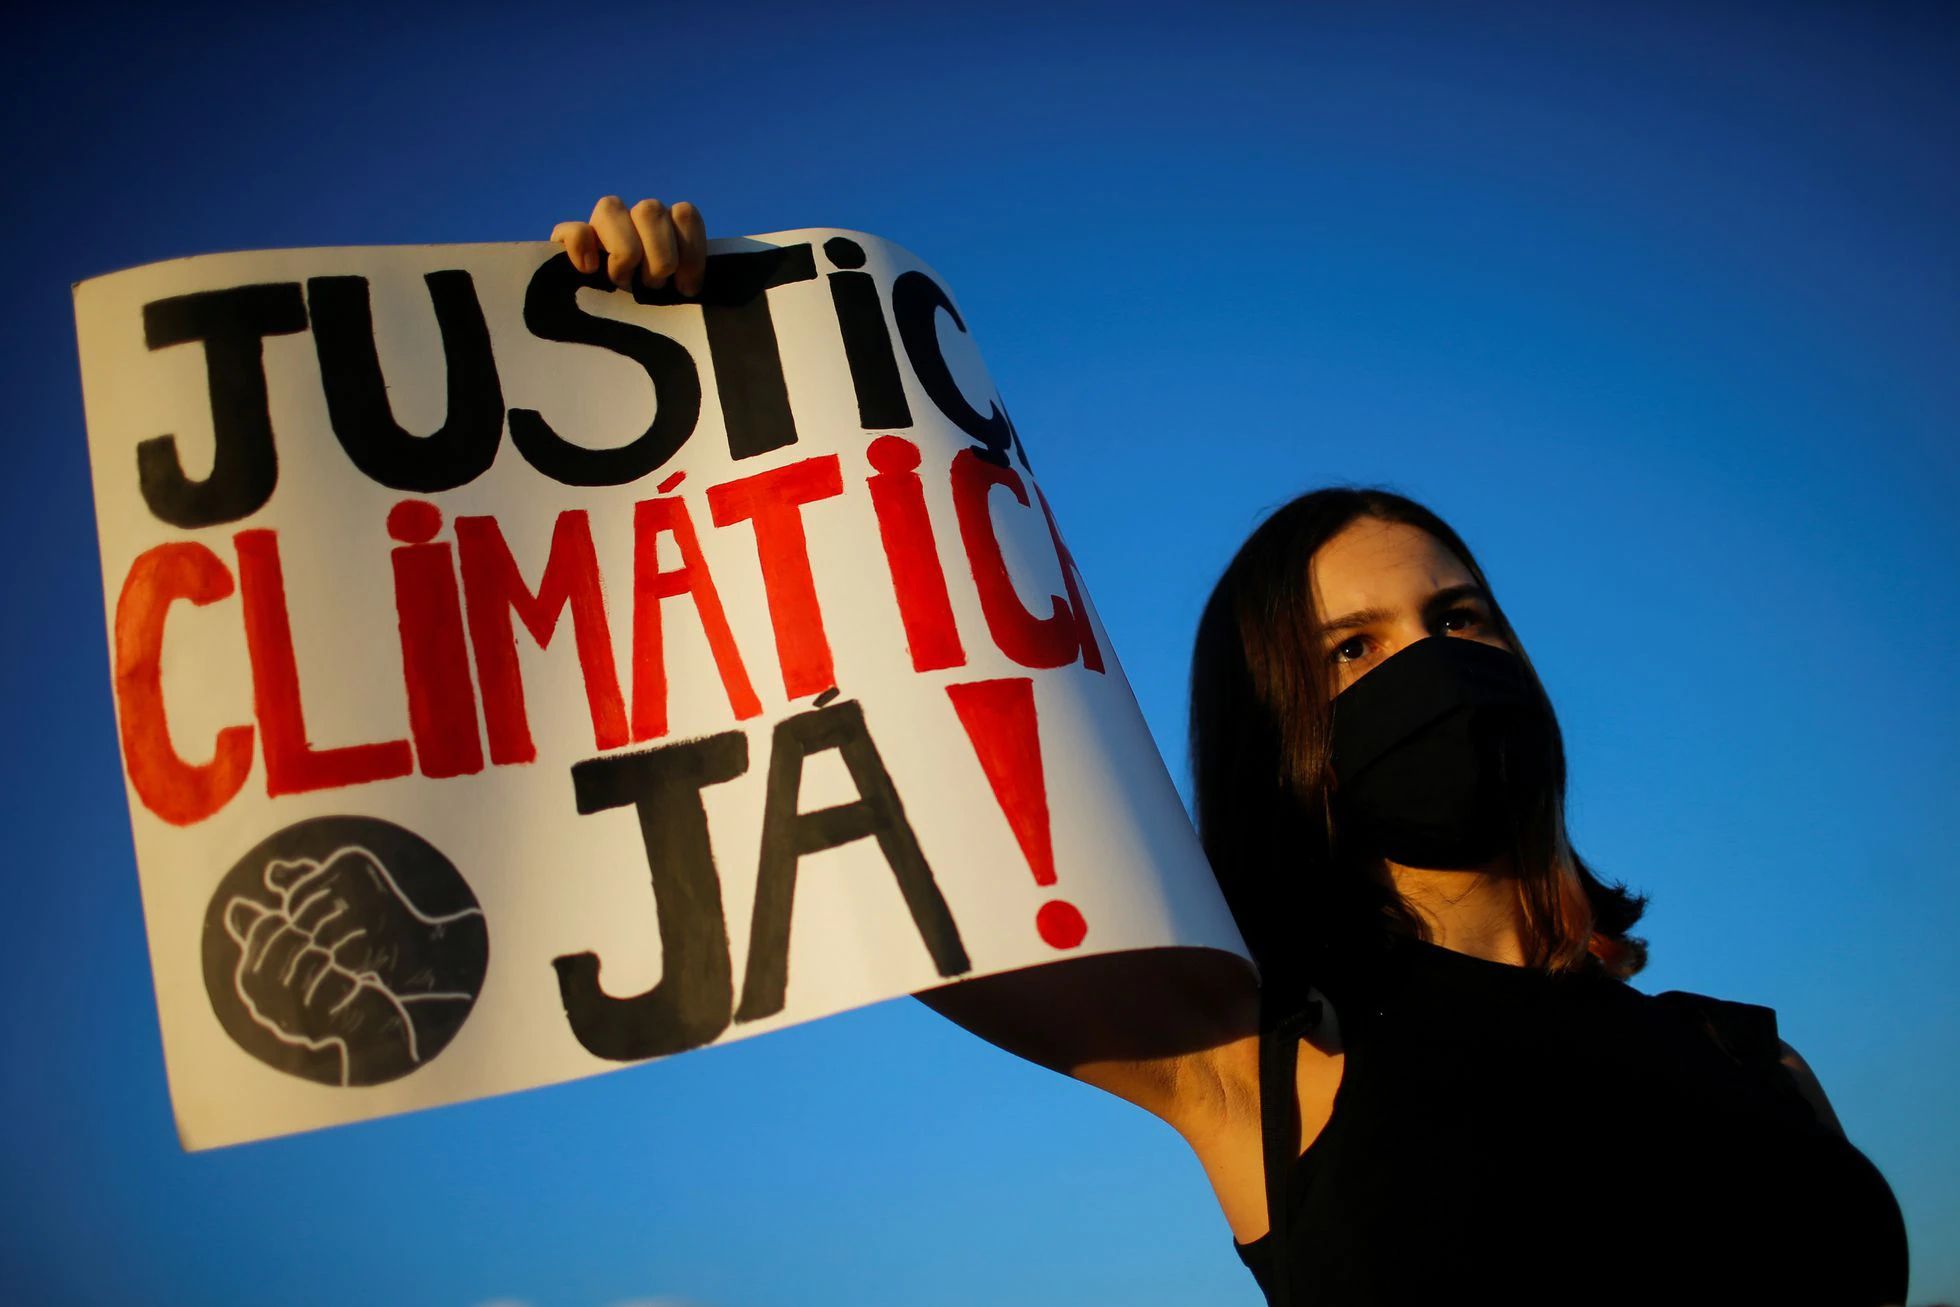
(518, 677)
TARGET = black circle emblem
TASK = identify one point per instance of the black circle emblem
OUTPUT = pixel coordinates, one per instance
(344, 949)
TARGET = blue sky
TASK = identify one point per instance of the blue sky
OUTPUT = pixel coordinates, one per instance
(1657, 304)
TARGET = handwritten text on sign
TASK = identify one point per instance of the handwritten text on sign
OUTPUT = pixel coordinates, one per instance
(377, 793)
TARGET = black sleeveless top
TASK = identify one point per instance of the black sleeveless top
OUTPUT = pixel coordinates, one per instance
(1506, 1135)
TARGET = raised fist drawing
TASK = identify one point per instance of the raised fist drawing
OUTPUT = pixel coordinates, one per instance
(330, 964)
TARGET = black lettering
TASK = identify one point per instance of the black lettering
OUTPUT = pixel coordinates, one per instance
(867, 341)
(690, 1005)
(742, 343)
(233, 325)
(551, 312)
(916, 302)
(459, 451)
(788, 836)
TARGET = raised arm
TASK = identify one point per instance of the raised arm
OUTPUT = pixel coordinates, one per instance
(1153, 1027)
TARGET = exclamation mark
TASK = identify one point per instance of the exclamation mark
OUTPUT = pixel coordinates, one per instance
(1000, 720)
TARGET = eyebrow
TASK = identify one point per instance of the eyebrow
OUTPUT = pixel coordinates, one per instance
(1441, 599)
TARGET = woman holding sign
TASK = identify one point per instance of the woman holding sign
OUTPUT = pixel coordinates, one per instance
(1444, 1089)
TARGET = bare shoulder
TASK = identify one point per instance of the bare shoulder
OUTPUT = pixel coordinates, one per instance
(1220, 1115)
(1224, 1093)
(1188, 1071)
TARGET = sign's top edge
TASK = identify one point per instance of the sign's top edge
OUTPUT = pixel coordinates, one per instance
(780, 236)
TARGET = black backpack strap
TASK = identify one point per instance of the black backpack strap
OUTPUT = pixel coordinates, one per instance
(1282, 1023)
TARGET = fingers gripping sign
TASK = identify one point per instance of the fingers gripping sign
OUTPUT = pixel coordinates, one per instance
(657, 241)
(691, 234)
(345, 960)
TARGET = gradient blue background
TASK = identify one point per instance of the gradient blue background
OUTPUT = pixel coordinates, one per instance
(1656, 303)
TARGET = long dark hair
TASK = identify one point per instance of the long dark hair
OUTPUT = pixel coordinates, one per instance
(1260, 736)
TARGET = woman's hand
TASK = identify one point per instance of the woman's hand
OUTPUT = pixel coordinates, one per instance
(659, 241)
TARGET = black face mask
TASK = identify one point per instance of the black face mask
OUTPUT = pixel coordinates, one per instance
(1440, 754)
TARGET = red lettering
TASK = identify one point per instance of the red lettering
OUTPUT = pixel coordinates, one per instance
(292, 764)
(1029, 640)
(774, 500)
(1085, 631)
(918, 581)
(494, 589)
(179, 792)
(435, 661)
(651, 517)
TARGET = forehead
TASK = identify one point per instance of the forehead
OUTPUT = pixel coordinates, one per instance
(1375, 564)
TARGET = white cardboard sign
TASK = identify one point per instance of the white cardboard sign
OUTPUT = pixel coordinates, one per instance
(519, 677)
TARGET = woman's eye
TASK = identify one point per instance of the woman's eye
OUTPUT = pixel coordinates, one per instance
(1461, 619)
(1350, 649)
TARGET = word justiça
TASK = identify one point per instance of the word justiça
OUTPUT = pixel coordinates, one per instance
(233, 324)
